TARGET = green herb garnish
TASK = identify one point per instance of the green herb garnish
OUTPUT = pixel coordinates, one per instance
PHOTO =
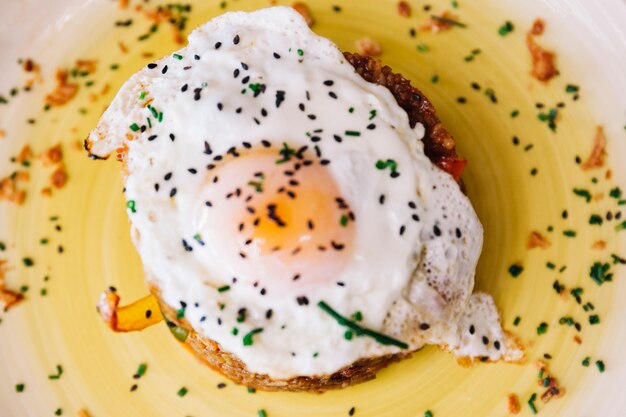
(248, 338)
(361, 331)
(515, 270)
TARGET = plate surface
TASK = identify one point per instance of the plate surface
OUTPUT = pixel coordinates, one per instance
(516, 189)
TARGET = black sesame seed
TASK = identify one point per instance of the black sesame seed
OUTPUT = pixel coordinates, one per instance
(156, 187)
(266, 143)
(458, 233)
(172, 192)
(172, 137)
(381, 199)
(236, 39)
(485, 340)
(207, 148)
(263, 112)
(371, 126)
(245, 79)
(337, 246)
(302, 301)
(151, 138)
(246, 145)
(461, 100)
(472, 329)
(276, 55)
(332, 94)
(184, 88)
(152, 65)
(236, 73)
(424, 326)
(402, 229)
(301, 106)
(217, 45)
(238, 110)
(394, 174)
(437, 230)
(164, 70)
(196, 57)
(268, 314)
(312, 116)
(496, 344)
(168, 176)
(415, 217)
(220, 106)
(148, 314)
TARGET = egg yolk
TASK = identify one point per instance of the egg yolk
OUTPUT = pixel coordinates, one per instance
(287, 208)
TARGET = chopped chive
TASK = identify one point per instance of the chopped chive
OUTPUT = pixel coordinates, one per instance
(179, 57)
(149, 122)
(130, 204)
(506, 28)
(448, 21)
(348, 335)
(600, 274)
(569, 233)
(616, 193)
(620, 226)
(434, 79)
(262, 413)
(223, 288)
(134, 127)
(595, 219)
(251, 390)
(361, 331)
(542, 328)
(28, 262)
(586, 361)
(531, 403)
(515, 270)
(3, 246)
(19, 388)
(422, 47)
(514, 114)
(594, 319)
(352, 133)
(344, 220)
(58, 374)
(142, 95)
(160, 117)
(300, 52)
(372, 114)
(428, 413)
(180, 313)
(571, 88)
(351, 110)
(600, 366)
(248, 338)
(517, 321)
(141, 370)
(454, 4)
(583, 193)
(182, 392)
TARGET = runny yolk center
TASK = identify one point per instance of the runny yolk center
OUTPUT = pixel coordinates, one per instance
(289, 206)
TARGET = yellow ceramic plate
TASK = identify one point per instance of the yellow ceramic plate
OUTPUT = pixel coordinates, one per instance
(516, 189)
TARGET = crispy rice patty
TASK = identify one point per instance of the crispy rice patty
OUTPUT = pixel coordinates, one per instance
(438, 146)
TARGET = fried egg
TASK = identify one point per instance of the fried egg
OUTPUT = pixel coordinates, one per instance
(274, 195)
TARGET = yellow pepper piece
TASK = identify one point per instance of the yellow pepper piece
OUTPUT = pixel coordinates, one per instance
(139, 315)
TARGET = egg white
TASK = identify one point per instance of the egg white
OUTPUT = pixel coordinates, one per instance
(415, 286)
